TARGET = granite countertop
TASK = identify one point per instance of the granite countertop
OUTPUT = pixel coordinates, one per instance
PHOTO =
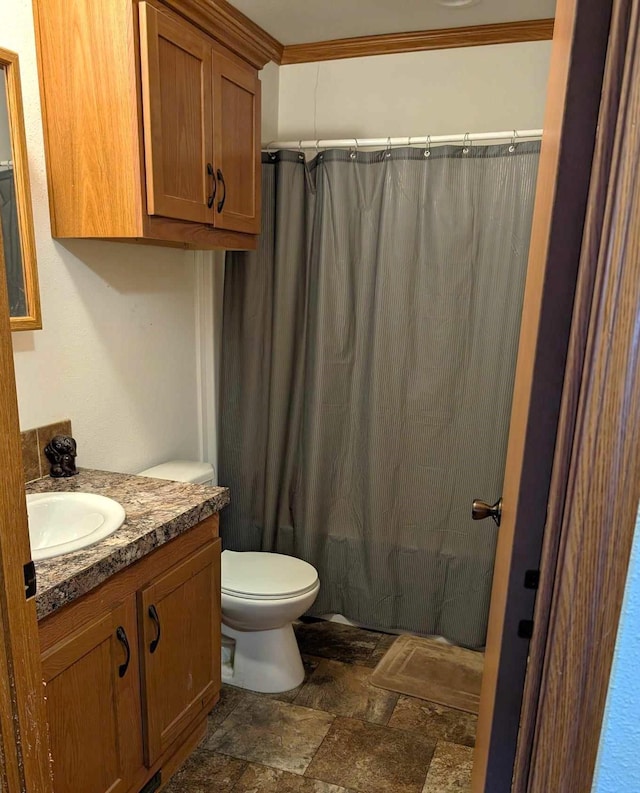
(157, 511)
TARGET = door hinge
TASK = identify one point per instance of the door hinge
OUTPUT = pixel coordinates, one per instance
(532, 579)
(30, 583)
(153, 784)
(525, 629)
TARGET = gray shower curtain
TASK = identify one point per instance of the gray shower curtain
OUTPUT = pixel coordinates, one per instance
(369, 349)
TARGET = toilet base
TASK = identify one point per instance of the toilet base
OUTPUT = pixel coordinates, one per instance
(265, 661)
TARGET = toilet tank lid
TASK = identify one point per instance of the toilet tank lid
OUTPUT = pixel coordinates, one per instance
(181, 471)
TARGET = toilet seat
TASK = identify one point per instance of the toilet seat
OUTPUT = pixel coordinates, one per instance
(255, 575)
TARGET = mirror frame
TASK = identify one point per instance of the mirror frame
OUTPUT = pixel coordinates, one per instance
(33, 318)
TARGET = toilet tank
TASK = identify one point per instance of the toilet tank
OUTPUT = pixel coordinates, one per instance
(182, 471)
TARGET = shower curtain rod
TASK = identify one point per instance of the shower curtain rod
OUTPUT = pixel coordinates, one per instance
(414, 140)
(6, 163)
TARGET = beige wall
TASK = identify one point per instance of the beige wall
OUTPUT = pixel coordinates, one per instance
(117, 353)
(475, 89)
(270, 77)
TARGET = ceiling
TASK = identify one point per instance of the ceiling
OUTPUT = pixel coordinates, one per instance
(301, 21)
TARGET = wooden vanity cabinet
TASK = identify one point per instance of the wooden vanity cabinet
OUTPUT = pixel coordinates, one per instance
(152, 125)
(180, 616)
(133, 668)
(93, 704)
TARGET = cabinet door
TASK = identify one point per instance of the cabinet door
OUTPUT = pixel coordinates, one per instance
(93, 705)
(180, 634)
(178, 117)
(236, 90)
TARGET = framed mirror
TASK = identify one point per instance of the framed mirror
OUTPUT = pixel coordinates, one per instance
(16, 218)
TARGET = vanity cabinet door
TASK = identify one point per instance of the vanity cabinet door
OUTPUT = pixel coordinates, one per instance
(178, 117)
(93, 704)
(236, 91)
(180, 647)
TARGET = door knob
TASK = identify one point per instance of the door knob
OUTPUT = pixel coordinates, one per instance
(482, 510)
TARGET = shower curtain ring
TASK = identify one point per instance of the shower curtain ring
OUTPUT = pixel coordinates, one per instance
(512, 148)
(300, 151)
(270, 154)
(427, 151)
(388, 152)
(354, 152)
(466, 143)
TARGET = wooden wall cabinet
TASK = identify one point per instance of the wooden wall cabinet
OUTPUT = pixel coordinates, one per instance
(178, 116)
(133, 668)
(201, 106)
(152, 126)
(236, 113)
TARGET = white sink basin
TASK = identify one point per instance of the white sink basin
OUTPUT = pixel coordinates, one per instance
(64, 522)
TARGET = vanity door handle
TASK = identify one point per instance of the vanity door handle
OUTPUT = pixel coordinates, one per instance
(211, 198)
(121, 635)
(153, 613)
(224, 187)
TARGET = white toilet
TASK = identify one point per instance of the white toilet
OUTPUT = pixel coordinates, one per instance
(262, 594)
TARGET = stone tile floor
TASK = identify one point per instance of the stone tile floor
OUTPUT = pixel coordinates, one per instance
(335, 733)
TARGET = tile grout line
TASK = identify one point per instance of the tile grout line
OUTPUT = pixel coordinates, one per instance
(304, 774)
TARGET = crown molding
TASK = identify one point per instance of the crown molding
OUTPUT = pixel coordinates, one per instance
(232, 28)
(222, 21)
(415, 41)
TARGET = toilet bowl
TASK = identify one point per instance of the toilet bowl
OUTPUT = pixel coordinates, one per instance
(262, 594)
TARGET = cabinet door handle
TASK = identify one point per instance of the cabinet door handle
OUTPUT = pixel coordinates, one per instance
(153, 613)
(211, 198)
(224, 187)
(121, 635)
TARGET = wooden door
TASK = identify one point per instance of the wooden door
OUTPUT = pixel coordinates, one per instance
(571, 116)
(236, 90)
(595, 489)
(177, 113)
(93, 704)
(24, 755)
(180, 618)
